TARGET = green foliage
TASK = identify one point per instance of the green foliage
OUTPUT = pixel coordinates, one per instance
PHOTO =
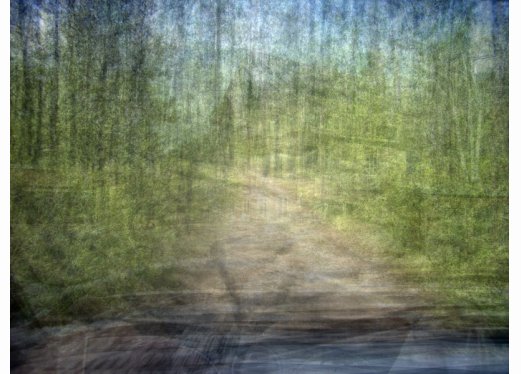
(419, 147)
(78, 238)
(126, 118)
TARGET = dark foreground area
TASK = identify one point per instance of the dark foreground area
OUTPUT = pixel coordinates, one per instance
(221, 344)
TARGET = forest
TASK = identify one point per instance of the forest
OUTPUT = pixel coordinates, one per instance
(133, 122)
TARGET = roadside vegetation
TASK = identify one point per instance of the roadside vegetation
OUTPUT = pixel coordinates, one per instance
(129, 120)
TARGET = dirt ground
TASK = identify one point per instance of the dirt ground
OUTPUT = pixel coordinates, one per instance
(273, 289)
(272, 257)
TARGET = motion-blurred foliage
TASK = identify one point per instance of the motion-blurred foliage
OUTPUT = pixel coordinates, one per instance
(128, 116)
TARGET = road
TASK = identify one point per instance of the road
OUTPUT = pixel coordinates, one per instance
(274, 290)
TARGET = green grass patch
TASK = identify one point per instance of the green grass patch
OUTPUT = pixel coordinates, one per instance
(80, 236)
(454, 247)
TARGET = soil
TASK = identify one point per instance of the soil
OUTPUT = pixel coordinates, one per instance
(271, 289)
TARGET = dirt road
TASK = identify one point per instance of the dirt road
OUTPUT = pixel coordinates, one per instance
(275, 290)
(272, 258)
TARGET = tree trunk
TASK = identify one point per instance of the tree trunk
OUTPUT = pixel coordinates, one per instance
(55, 93)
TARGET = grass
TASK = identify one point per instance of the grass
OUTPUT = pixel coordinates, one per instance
(455, 249)
(78, 237)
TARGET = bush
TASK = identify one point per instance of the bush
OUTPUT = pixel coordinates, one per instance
(79, 237)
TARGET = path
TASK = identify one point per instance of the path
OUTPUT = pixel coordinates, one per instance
(271, 258)
(277, 291)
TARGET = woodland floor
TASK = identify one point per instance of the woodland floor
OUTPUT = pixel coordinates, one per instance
(272, 289)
